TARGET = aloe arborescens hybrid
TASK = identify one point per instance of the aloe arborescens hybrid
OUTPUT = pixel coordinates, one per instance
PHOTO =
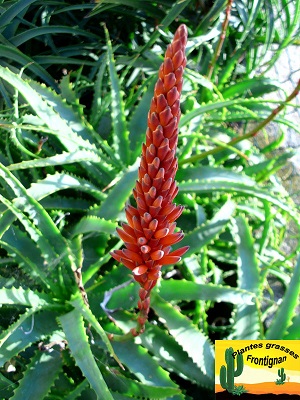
(150, 231)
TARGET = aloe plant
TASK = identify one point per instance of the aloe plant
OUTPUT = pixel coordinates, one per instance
(69, 150)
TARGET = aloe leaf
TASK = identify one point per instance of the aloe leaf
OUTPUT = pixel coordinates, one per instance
(94, 224)
(26, 253)
(160, 343)
(256, 87)
(204, 234)
(290, 29)
(127, 386)
(247, 323)
(118, 195)
(193, 341)
(59, 118)
(39, 376)
(293, 331)
(74, 329)
(170, 17)
(274, 144)
(82, 133)
(149, 371)
(24, 297)
(5, 96)
(170, 289)
(39, 225)
(212, 14)
(253, 11)
(233, 186)
(89, 316)
(35, 211)
(56, 59)
(287, 309)
(50, 256)
(67, 204)
(58, 159)
(213, 174)
(11, 12)
(77, 391)
(14, 54)
(44, 30)
(31, 327)
(62, 181)
(138, 121)
(186, 290)
(121, 134)
(97, 98)
(6, 387)
(217, 105)
(61, 115)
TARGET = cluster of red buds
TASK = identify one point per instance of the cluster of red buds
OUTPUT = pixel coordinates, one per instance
(150, 231)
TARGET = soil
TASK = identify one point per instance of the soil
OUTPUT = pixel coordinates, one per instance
(249, 396)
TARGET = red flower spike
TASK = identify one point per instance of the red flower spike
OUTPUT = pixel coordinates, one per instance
(150, 231)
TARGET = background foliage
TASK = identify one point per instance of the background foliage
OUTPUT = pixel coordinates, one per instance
(76, 83)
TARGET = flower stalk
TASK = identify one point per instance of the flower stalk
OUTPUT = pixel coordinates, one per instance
(150, 230)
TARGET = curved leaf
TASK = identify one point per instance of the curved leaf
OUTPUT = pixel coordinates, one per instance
(62, 181)
(31, 327)
(14, 54)
(172, 289)
(94, 224)
(254, 86)
(58, 159)
(193, 341)
(118, 195)
(247, 323)
(121, 134)
(39, 376)
(74, 329)
(20, 296)
(233, 186)
(287, 308)
(44, 30)
(204, 234)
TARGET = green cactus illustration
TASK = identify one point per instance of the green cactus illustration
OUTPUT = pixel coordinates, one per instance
(282, 377)
(227, 374)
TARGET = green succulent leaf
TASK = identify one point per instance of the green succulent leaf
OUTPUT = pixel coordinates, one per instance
(287, 309)
(94, 224)
(39, 376)
(59, 159)
(121, 134)
(74, 329)
(193, 341)
(24, 297)
(118, 195)
(190, 291)
(247, 323)
(31, 327)
(204, 234)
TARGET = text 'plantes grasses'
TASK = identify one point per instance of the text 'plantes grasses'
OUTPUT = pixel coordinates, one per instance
(150, 231)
